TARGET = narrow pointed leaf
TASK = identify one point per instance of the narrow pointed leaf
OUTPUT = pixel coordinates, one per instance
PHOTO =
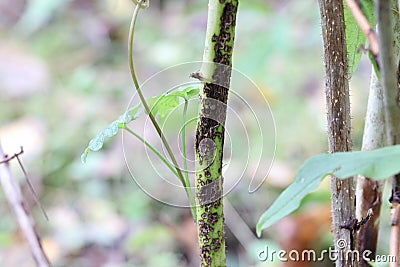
(376, 164)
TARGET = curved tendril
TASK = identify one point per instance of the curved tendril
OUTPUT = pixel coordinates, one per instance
(141, 4)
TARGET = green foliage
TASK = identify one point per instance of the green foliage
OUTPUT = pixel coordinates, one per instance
(160, 105)
(165, 103)
(355, 38)
(376, 164)
(111, 130)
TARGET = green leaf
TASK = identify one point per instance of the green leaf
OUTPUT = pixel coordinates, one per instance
(160, 105)
(111, 130)
(165, 103)
(368, 9)
(355, 38)
(376, 164)
(188, 92)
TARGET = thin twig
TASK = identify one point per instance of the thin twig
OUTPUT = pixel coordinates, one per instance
(364, 26)
(31, 188)
(7, 158)
(14, 197)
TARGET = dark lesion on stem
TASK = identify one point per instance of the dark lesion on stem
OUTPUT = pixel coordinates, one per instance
(210, 134)
(395, 196)
(354, 225)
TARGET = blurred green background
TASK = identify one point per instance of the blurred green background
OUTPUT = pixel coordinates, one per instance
(64, 76)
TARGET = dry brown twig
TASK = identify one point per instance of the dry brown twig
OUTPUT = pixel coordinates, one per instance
(14, 197)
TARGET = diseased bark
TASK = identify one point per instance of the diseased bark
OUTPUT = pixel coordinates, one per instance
(339, 126)
(369, 192)
(215, 73)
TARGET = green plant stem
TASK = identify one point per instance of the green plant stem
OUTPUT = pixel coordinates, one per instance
(153, 149)
(144, 103)
(215, 73)
(185, 165)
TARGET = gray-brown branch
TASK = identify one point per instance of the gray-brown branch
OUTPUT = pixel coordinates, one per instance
(339, 126)
(14, 197)
(388, 61)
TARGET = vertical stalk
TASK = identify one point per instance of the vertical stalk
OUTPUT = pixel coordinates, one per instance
(339, 126)
(215, 73)
(369, 192)
(185, 163)
(388, 60)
